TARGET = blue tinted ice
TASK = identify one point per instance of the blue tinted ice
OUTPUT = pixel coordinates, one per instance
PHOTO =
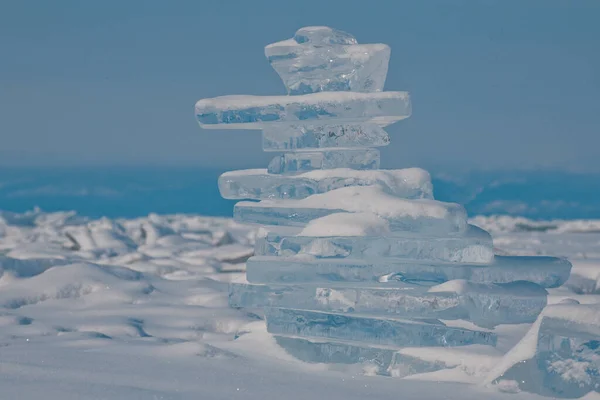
(319, 136)
(474, 246)
(258, 184)
(546, 271)
(376, 331)
(384, 360)
(402, 215)
(319, 58)
(295, 163)
(256, 112)
(559, 356)
(484, 304)
(355, 262)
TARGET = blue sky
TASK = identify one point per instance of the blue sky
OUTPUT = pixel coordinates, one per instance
(495, 84)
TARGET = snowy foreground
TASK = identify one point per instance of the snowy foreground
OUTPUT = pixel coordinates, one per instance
(137, 309)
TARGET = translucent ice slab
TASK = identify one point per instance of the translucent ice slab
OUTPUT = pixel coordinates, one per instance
(376, 331)
(559, 356)
(294, 163)
(474, 246)
(491, 304)
(420, 215)
(483, 304)
(258, 184)
(546, 271)
(314, 136)
(338, 352)
(319, 58)
(381, 359)
(254, 112)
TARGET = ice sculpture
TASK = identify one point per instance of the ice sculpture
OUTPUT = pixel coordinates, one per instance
(353, 262)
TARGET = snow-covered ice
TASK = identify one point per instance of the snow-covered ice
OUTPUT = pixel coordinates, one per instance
(407, 215)
(258, 184)
(138, 308)
(374, 243)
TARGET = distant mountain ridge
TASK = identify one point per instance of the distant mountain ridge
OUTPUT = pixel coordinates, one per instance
(131, 192)
(531, 194)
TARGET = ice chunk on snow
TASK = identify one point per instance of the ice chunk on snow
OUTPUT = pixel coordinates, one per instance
(257, 184)
(482, 304)
(474, 246)
(298, 162)
(493, 304)
(381, 360)
(339, 352)
(559, 356)
(544, 271)
(319, 58)
(376, 331)
(404, 301)
(315, 136)
(254, 112)
(418, 215)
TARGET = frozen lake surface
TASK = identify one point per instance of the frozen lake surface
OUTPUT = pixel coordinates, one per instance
(137, 308)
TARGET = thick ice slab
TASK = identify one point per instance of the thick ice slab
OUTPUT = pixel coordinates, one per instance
(559, 356)
(376, 331)
(474, 246)
(299, 162)
(338, 352)
(548, 272)
(419, 215)
(319, 58)
(316, 136)
(491, 304)
(258, 184)
(383, 360)
(254, 112)
(483, 304)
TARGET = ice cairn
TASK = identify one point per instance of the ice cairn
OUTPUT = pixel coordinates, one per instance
(354, 263)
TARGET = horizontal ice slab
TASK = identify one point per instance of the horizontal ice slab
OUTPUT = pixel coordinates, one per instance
(254, 112)
(483, 304)
(376, 331)
(319, 58)
(383, 360)
(258, 184)
(314, 136)
(491, 304)
(559, 356)
(419, 215)
(294, 163)
(474, 246)
(340, 352)
(546, 271)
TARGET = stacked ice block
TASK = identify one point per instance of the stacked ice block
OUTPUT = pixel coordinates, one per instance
(354, 262)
